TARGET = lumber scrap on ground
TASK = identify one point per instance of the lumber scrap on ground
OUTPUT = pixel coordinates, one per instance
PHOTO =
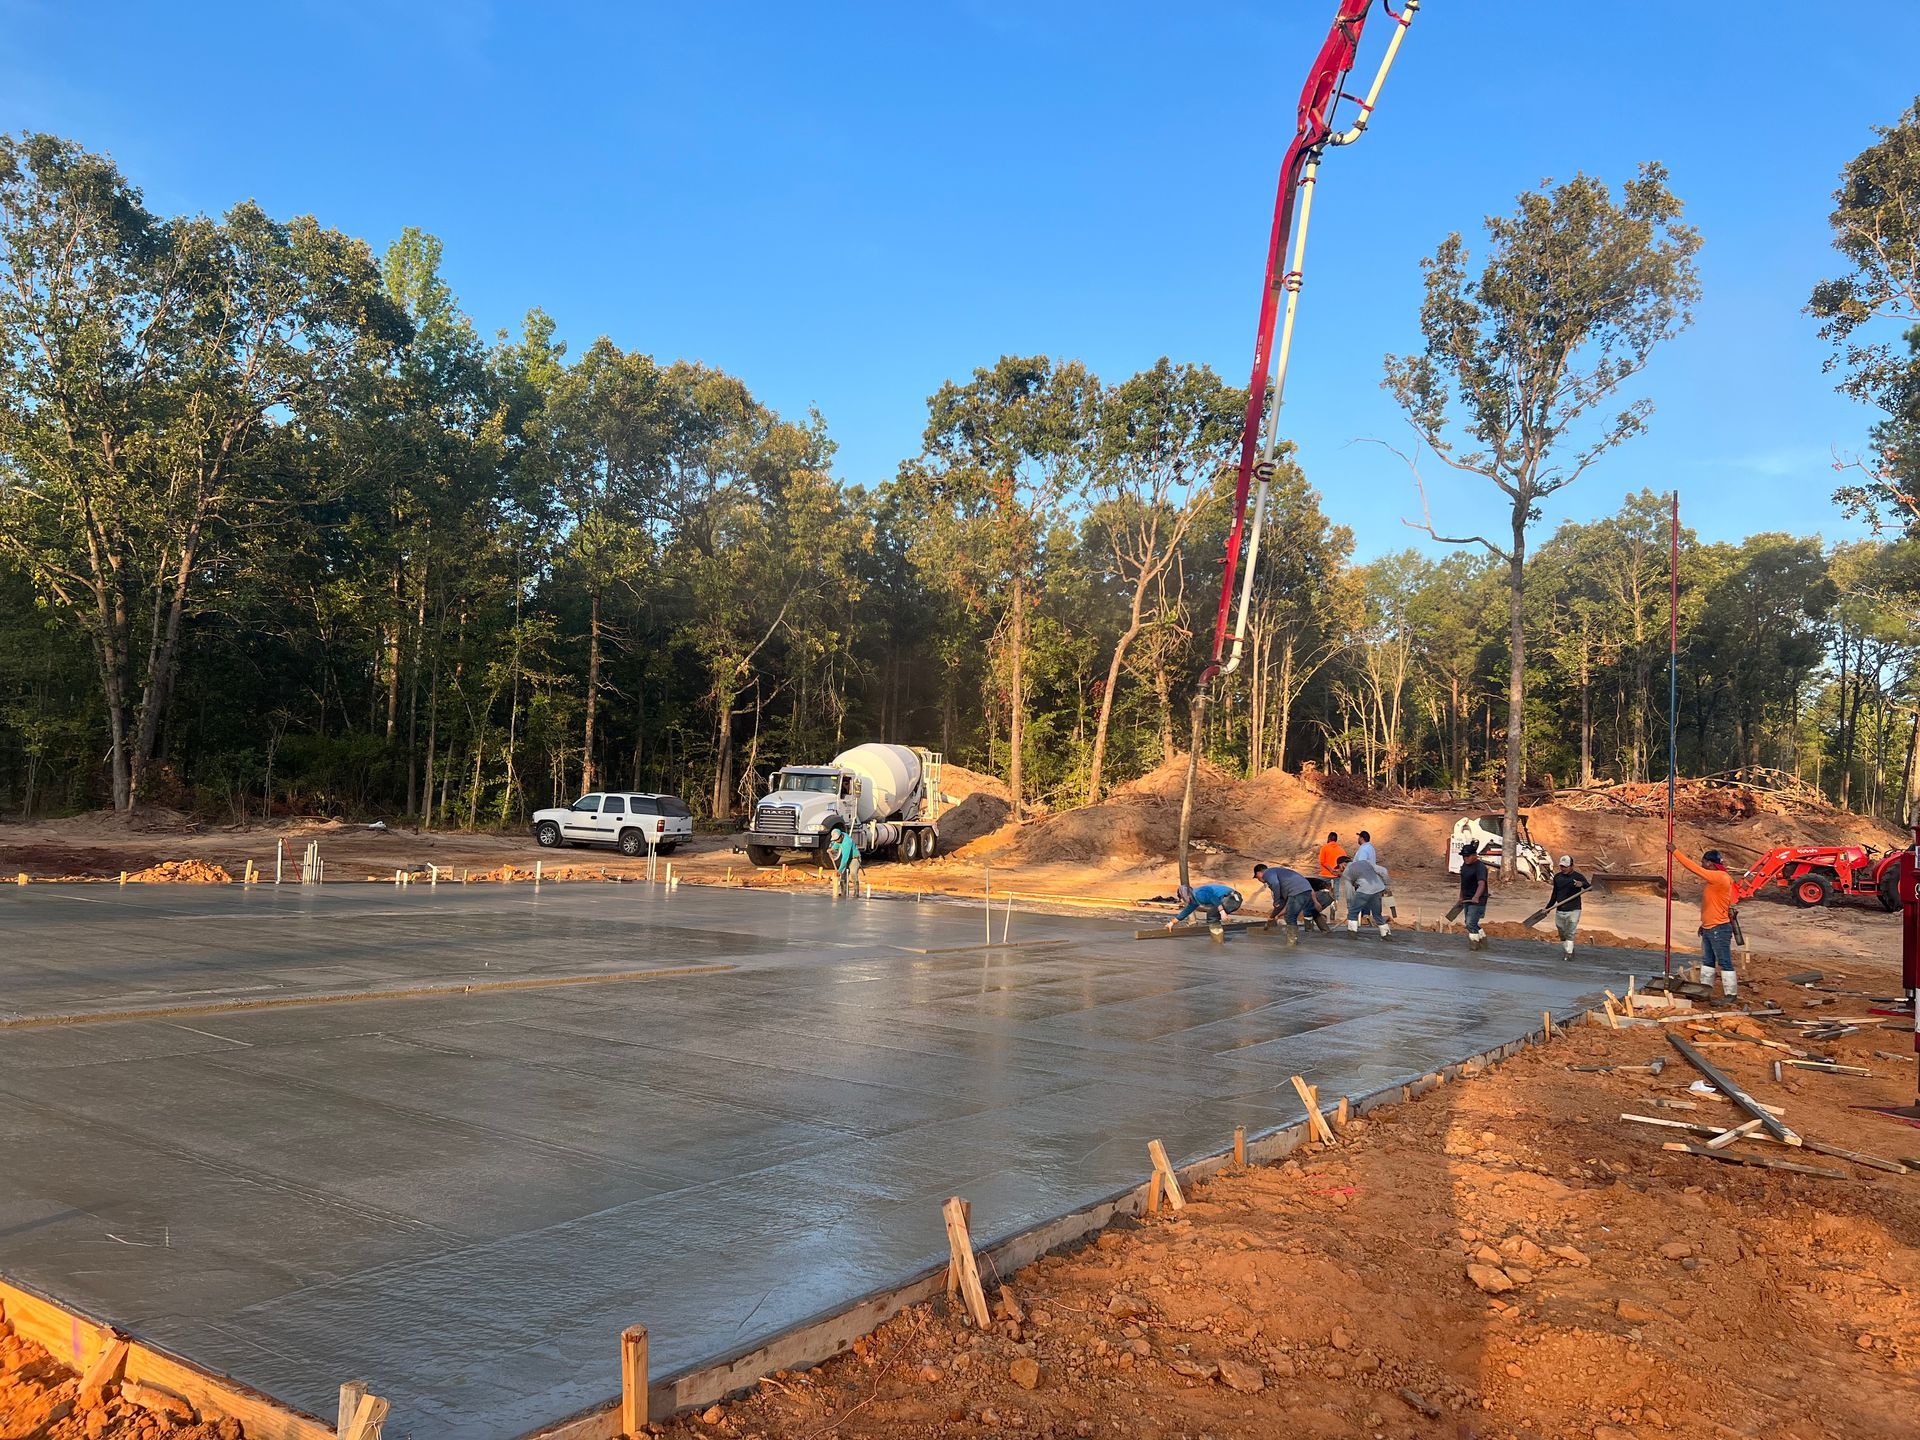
(1733, 1091)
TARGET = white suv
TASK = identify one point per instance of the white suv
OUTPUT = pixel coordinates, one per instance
(626, 819)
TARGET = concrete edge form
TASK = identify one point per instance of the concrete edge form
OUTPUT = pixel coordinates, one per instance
(76, 1340)
(449, 989)
(811, 1342)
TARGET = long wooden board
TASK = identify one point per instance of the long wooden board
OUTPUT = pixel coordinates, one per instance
(73, 1339)
(1733, 1092)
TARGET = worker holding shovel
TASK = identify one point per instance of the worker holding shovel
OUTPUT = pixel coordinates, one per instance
(1716, 921)
(1568, 886)
(1367, 896)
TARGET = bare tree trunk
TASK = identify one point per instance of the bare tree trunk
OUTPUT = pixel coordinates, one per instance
(1284, 721)
(393, 655)
(593, 687)
(1516, 687)
(1017, 699)
(723, 758)
(1101, 725)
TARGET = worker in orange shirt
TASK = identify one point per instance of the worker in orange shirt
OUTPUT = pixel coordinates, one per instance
(1716, 920)
(1331, 855)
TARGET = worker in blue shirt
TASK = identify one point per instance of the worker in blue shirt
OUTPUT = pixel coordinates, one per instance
(1214, 899)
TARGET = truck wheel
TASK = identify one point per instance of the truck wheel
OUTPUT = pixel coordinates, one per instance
(632, 842)
(910, 846)
(547, 834)
(1810, 890)
(1889, 888)
(824, 855)
(763, 855)
(929, 843)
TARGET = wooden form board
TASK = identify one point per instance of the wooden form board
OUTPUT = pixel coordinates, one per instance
(72, 1339)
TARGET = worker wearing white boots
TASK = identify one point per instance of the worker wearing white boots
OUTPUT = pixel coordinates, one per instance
(1568, 884)
(1367, 882)
(1716, 921)
(1473, 893)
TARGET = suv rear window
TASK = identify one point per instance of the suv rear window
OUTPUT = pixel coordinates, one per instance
(643, 805)
(675, 807)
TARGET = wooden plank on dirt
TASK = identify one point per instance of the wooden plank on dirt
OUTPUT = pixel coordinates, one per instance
(1727, 1137)
(633, 1380)
(1733, 1091)
(1756, 1160)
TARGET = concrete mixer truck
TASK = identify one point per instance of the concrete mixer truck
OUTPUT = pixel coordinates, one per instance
(887, 796)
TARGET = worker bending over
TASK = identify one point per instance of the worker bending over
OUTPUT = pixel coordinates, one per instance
(1368, 882)
(1216, 900)
(1716, 921)
(1568, 884)
(1293, 897)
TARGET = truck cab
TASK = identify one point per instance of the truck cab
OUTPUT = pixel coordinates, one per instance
(883, 795)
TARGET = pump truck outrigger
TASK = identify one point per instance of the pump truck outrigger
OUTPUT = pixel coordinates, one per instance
(1313, 134)
(886, 796)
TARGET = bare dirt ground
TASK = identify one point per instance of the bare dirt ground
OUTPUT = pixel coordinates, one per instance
(1502, 1257)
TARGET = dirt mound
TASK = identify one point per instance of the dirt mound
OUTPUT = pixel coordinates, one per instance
(183, 872)
(979, 805)
(146, 820)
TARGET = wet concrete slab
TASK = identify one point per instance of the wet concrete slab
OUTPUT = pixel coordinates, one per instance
(464, 1199)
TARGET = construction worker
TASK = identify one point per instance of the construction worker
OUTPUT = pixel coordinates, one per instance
(1331, 855)
(1367, 882)
(1366, 851)
(1216, 900)
(1568, 884)
(1716, 921)
(846, 861)
(1473, 893)
(1293, 897)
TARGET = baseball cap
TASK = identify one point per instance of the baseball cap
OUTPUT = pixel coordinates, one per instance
(1566, 859)
(1712, 857)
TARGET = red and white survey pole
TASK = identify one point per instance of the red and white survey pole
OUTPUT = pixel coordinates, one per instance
(1286, 244)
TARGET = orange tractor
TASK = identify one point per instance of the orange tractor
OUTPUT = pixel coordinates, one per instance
(1813, 874)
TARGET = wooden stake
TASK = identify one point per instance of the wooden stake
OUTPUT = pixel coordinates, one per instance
(351, 1394)
(1546, 1024)
(633, 1380)
(1342, 1115)
(368, 1417)
(105, 1370)
(1169, 1182)
(1316, 1122)
(962, 1270)
(1240, 1146)
(123, 879)
(1153, 1194)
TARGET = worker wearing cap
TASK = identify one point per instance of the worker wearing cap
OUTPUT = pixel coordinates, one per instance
(1716, 920)
(1216, 900)
(1366, 850)
(1294, 896)
(1473, 893)
(1568, 885)
(1331, 855)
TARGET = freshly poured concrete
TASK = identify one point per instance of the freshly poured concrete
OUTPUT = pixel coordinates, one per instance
(464, 1199)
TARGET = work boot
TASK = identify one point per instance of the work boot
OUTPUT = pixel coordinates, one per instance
(1386, 931)
(1476, 938)
(1320, 920)
(1730, 983)
(1353, 927)
(1293, 935)
(1567, 945)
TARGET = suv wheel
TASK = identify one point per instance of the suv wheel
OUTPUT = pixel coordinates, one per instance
(632, 842)
(667, 847)
(547, 834)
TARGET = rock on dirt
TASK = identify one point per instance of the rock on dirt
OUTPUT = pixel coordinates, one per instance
(1489, 1279)
(1025, 1372)
(1239, 1375)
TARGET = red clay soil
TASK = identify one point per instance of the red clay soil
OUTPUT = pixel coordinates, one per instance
(39, 1400)
(1502, 1257)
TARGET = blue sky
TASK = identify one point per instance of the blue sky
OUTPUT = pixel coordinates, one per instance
(846, 204)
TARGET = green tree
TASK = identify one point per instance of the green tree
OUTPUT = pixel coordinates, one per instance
(1576, 292)
(1871, 315)
(1002, 455)
(148, 370)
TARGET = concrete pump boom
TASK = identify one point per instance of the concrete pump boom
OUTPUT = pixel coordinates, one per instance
(1293, 205)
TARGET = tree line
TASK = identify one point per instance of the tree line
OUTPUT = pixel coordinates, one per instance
(280, 532)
